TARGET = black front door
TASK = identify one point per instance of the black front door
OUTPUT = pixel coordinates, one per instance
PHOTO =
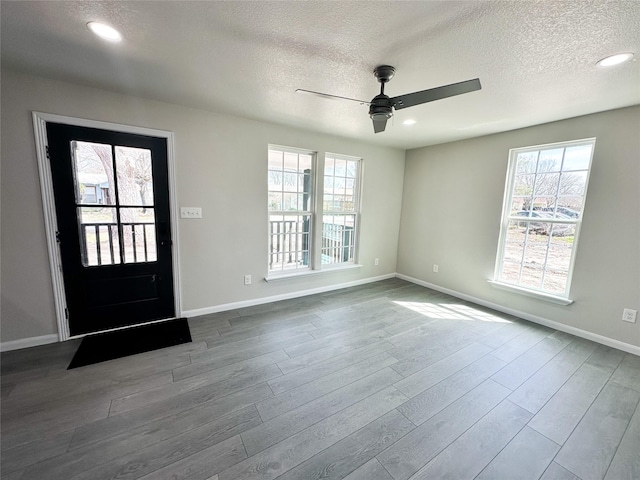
(112, 205)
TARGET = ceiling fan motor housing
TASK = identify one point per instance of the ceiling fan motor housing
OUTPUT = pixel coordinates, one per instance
(381, 107)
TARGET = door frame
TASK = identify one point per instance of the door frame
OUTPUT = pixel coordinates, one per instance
(40, 121)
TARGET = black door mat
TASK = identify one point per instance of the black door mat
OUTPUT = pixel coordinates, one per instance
(122, 343)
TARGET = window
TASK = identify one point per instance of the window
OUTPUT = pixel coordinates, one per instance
(290, 190)
(90, 194)
(542, 213)
(340, 204)
(298, 241)
(117, 223)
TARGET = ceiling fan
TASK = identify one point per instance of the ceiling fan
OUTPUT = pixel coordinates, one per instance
(381, 107)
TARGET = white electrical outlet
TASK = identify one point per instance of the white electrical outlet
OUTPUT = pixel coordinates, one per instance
(376, 261)
(435, 268)
(629, 315)
(190, 212)
(247, 279)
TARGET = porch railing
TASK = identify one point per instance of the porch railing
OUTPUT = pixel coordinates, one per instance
(337, 243)
(101, 245)
(289, 244)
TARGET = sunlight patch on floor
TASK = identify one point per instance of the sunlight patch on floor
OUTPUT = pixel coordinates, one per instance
(451, 312)
(477, 314)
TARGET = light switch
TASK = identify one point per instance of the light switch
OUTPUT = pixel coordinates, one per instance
(190, 212)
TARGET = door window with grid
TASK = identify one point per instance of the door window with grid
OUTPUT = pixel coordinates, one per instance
(290, 190)
(114, 202)
(542, 214)
(340, 204)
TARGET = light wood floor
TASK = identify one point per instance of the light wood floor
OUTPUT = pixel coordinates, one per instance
(383, 381)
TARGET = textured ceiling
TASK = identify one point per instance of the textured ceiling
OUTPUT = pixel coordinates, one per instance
(535, 59)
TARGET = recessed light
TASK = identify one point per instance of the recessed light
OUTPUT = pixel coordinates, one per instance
(105, 31)
(409, 122)
(615, 59)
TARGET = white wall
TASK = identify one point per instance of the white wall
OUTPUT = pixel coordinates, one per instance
(451, 210)
(214, 154)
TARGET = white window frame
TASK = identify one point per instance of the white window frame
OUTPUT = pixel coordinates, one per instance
(355, 213)
(311, 212)
(316, 212)
(559, 298)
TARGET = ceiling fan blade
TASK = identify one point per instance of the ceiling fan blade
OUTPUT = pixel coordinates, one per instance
(417, 98)
(330, 97)
(379, 125)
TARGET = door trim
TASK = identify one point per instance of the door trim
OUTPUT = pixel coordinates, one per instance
(40, 120)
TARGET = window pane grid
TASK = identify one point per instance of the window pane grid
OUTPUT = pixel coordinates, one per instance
(289, 241)
(338, 239)
(542, 215)
(539, 252)
(114, 193)
(340, 208)
(290, 209)
(340, 185)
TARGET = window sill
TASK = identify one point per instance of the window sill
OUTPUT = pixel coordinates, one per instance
(306, 273)
(531, 293)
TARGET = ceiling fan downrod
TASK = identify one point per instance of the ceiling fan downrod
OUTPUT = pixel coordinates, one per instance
(381, 107)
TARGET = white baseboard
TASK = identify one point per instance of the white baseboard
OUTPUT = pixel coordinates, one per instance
(286, 296)
(610, 342)
(28, 342)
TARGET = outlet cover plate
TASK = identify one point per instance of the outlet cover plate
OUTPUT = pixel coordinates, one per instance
(629, 315)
